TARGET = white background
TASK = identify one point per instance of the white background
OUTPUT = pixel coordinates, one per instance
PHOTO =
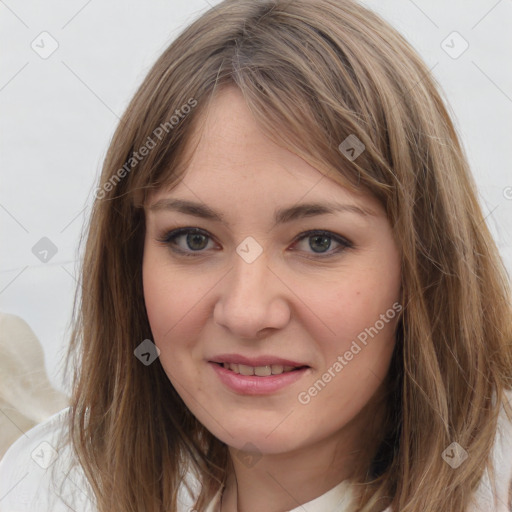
(58, 115)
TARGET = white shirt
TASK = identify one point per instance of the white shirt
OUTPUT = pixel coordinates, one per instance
(27, 467)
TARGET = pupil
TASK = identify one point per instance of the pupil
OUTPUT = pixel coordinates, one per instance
(194, 241)
(324, 242)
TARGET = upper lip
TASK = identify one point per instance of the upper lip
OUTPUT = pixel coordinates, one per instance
(254, 361)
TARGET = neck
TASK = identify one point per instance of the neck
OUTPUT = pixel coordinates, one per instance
(284, 481)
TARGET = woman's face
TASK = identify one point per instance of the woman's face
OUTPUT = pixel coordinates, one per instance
(259, 281)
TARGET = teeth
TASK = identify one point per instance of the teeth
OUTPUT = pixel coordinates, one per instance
(245, 370)
(263, 371)
(277, 369)
(260, 371)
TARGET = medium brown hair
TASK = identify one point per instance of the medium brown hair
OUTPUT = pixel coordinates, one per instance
(312, 72)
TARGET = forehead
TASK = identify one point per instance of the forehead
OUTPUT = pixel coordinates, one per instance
(232, 165)
(230, 139)
(232, 154)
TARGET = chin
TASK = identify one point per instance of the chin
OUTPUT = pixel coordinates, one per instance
(256, 438)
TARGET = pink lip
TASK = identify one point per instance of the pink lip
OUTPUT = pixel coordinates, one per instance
(253, 385)
(254, 361)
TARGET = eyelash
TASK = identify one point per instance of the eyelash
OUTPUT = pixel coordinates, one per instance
(170, 237)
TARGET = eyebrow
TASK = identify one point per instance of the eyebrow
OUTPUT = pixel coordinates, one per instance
(281, 216)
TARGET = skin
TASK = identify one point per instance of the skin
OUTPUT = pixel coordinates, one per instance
(290, 302)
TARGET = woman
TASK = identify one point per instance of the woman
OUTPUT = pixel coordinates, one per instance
(290, 299)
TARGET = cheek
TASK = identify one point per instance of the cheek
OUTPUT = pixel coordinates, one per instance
(358, 346)
(159, 300)
(165, 297)
(176, 306)
(356, 318)
(357, 302)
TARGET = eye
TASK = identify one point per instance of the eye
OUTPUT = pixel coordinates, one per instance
(187, 241)
(194, 242)
(319, 242)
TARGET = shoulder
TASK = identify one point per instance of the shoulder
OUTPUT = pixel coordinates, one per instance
(37, 473)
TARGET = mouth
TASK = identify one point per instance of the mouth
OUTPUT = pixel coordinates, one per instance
(259, 371)
(266, 375)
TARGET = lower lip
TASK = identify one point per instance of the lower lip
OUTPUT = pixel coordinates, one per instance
(253, 385)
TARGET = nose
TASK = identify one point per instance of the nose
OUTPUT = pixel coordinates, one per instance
(252, 300)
